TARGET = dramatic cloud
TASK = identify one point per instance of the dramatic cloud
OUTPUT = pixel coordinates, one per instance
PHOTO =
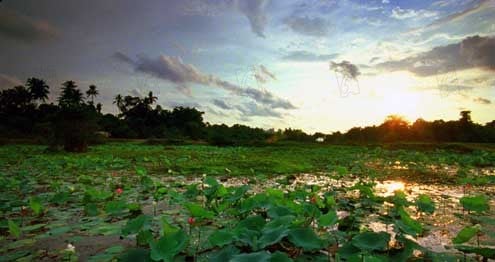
(482, 100)
(7, 82)
(472, 52)
(19, 27)
(262, 74)
(255, 11)
(174, 70)
(346, 68)
(308, 26)
(221, 104)
(305, 56)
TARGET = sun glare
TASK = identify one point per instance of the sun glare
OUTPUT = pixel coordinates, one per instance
(388, 188)
(395, 94)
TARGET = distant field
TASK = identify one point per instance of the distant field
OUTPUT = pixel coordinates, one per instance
(119, 200)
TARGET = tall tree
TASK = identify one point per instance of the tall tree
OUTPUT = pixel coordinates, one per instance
(92, 92)
(150, 99)
(70, 96)
(38, 88)
(119, 101)
(465, 117)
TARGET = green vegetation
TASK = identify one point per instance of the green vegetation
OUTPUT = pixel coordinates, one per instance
(138, 202)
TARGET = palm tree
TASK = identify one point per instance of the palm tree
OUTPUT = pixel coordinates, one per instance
(92, 92)
(70, 95)
(119, 101)
(38, 88)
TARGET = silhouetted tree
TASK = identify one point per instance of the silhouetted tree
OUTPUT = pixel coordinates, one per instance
(394, 128)
(92, 92)
(70, 96)
(38, 89)
(15, 99)
(98, 108)
(465, 117)
(76, 122)
(150, 99)
(119, 101)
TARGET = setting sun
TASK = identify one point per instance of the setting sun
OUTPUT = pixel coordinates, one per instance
(247, 130)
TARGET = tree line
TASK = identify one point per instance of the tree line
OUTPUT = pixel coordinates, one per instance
(73, 122)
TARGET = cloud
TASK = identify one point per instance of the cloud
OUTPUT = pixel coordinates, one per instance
(374, 59)
(444, 3)
(137, 92)
(254, 109)
(262, 74)
(305, 56)
(221, 104)
(401, 14)
(174, 70)
(122, 58)
(471, 52)
(265, 71)
(482, 100)
(477, 7)
(249, 109)
(7, 82)
(185, 104)
(305, 25)
(480, 5)
(346, 68)
(19, 27)
(255, 11)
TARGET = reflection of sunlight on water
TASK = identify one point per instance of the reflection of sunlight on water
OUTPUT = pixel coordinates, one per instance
(387, 188)
(443, 224)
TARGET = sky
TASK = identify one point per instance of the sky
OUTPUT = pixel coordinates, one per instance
(315, 65)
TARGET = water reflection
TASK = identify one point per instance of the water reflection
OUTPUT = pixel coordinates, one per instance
(443, 225)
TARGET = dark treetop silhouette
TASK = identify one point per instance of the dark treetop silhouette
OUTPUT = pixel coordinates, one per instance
(73, 122)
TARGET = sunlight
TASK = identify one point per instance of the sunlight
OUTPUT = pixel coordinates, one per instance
(395, 95)
(403, 103)
(388, 188)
